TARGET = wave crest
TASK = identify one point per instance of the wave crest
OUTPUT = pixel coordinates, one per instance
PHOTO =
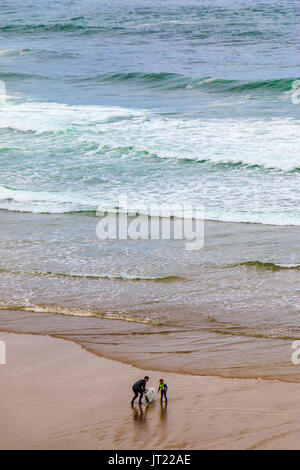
(173, 81)
(96, 277)
(267, 266)
(81, 313)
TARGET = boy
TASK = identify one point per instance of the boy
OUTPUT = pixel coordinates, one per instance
(162, 388)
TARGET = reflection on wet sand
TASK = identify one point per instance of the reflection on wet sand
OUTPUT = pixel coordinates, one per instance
(163, 411)
(139, 414)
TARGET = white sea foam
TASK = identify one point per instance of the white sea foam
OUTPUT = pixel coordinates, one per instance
(201, 82)
(270, 143)
(12, 52)
(86, 136)
(79, 313)
(56, 117)
(42, 201)
(58, 203)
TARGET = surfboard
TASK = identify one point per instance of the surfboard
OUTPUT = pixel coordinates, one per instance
(150, 395)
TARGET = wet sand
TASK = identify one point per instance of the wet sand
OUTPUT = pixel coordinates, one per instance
(56, 395)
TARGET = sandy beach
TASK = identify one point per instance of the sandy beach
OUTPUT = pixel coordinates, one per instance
(56, 395)
(150, 223)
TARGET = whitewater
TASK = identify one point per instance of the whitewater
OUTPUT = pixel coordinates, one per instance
(93, 151)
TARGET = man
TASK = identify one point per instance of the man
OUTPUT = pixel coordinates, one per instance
(139, 388)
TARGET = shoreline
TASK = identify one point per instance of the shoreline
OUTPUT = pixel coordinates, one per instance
(93, 213)
(57, 395)
(151, 364)
(162, 371)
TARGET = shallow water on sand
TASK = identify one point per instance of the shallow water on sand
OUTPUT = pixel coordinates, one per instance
(229, 309)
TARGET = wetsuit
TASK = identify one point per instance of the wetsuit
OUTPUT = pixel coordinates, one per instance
(139, 388)
(163, 391)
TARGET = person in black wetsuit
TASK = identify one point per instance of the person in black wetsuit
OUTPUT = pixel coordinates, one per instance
(139, 388)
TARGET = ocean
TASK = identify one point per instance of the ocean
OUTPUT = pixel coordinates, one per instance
(164, 102)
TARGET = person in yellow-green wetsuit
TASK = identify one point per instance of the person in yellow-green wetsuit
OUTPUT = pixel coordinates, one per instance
(162, 388)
